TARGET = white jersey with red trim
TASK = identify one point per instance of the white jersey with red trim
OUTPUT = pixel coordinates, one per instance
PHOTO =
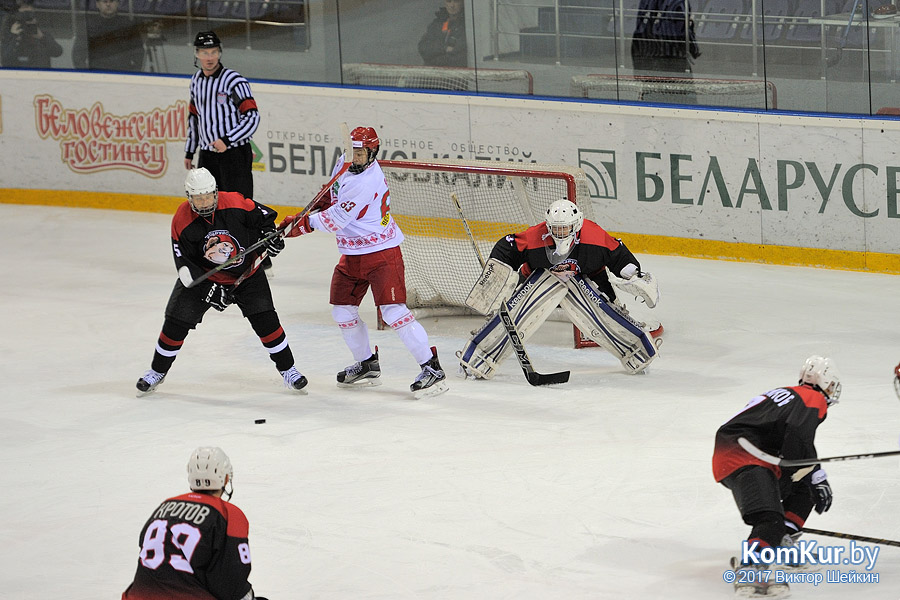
(359, 215)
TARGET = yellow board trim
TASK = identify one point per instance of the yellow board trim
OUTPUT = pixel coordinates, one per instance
(875, 262)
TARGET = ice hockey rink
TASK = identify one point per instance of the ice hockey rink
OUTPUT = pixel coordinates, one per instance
(598, 488)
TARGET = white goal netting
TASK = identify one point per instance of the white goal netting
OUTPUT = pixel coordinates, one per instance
(496, 81)
(497, 198)
(735, 93)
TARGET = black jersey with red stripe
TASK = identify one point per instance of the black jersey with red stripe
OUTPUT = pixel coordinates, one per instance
(781, 422)
(203, 243)
(193, 547)
(593, 251)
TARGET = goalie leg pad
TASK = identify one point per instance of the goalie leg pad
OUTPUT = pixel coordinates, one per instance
(600, 320)
(529, 307)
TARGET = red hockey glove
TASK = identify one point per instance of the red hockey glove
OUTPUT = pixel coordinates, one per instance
(298, 227)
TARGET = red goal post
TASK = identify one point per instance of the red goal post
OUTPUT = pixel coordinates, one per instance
(498, 198)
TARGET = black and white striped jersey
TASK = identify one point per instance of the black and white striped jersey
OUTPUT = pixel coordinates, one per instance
(222, 106)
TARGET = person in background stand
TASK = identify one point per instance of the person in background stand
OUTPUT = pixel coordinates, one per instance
(444, 42)
(222, 118)
(110, 41)
(22, 41)
(897, 380)
(664, 38)
(664, 45)
(196, 545)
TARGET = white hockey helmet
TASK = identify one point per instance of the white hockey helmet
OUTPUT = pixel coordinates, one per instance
(198, 185)
(821, 373)
(564, 221)
(209, 470)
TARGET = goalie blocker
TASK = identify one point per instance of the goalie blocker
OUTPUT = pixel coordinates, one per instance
(533, 302)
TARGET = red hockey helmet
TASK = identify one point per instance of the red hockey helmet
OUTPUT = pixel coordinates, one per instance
(365, 137)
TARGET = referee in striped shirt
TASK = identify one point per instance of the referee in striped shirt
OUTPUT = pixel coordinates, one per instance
(222, 118)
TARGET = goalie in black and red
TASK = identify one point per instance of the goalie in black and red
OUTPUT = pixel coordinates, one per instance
(207, 230)
(774, 501)
(358, 211)
(564, 261)
(195, 546)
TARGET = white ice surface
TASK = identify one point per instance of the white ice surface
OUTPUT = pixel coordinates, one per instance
(599, 488)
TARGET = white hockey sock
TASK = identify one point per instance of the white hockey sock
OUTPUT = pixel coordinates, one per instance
(411, 332)
(354, 330)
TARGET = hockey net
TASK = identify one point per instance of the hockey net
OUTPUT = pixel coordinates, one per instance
(498, 198)
(736, 93)
(496, 81)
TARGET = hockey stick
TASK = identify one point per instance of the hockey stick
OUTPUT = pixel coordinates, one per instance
(850, 536)
(184, 273)
(533, 377)
(805, 462)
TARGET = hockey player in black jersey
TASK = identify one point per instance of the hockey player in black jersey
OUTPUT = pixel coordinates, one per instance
(563, 262)
(195, 546)
(208, 229)
(775, 501)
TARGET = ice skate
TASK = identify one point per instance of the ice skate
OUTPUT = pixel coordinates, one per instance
(790, 541)
(362, 374)
(148, 382)
(294, 380)
(432, 380)
(756, 581)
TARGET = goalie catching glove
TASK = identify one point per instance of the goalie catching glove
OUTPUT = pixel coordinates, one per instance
(219, 297)
(293, 226)
(639, 284)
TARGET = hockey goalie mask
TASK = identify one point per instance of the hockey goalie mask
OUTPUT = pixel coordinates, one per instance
(564, 221)
(210, 470)
(821, 373)
(201, 190)
(364, 138)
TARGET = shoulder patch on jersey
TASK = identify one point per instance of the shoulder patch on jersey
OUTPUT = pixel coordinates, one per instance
(593, 234)
(812, 399)
(533, 237)
(235, 200)
(183, 217)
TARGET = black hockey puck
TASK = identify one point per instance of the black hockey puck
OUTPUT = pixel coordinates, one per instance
(259, 421)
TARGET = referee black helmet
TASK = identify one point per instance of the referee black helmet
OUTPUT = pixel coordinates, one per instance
(207, 39)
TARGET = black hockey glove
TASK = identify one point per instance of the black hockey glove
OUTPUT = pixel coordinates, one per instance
(275, 245)
(219, 297)
(822, 490)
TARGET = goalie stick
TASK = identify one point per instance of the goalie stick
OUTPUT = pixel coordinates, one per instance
(184, 273)
(533, 377)
(805, 462)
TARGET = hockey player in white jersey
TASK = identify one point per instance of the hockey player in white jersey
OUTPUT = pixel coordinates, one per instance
(357, 211)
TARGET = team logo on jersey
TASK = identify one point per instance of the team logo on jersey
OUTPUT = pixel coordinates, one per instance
(219, 246)
(221, 97)
(600, 168)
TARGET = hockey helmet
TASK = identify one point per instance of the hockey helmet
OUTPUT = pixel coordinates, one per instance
(202, 192)
(564, 221)
(364, 137)
(207, 39)
(209, 470)
(821, 373)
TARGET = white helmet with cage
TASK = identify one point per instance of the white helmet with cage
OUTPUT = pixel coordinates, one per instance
(564, 221)
(202, 192)
(209, 470)
(821, 373)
